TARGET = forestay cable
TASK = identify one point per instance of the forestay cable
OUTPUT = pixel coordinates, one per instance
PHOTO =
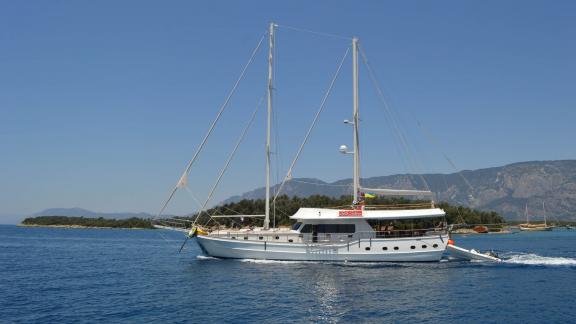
(183, 179)
(322, 104)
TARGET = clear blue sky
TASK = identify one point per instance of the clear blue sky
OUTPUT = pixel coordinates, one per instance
(102, 103)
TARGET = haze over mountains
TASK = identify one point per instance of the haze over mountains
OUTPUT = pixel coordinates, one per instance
(507, 190)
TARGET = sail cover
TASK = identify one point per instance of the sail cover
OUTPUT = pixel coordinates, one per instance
(398, 192)
(183, 182)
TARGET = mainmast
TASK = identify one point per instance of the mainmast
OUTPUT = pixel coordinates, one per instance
(269, 122)
(356, 179)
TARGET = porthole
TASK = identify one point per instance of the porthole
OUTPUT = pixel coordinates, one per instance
(395, 248)
(424, 246)
(367, 248)
(277, 237)
(412, 247)
(233, 237)
(261, 237)
(290, 240)
(435, 245)
(245, 237)
(385, 248)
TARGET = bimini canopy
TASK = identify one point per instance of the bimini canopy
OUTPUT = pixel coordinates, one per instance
(331, 214)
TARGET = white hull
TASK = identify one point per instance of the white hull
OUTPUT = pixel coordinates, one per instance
(410, 249)
(470, 254)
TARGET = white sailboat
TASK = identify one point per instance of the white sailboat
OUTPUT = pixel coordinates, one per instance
(351, 233)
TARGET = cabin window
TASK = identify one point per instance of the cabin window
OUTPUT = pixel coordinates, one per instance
(296, 226)
(424, 246)
(329, 228)
(385, 248)
(336, 228)
(435, 245)
(412, 247)
(245, 237)
(367, 248)
(395, 248)
(261, 237)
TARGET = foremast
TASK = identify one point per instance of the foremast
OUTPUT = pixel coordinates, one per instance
(269, 120)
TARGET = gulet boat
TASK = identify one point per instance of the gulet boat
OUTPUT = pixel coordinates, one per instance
(357, 232)
(531, 227)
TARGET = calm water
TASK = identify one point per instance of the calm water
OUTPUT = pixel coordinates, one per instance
(93, 275)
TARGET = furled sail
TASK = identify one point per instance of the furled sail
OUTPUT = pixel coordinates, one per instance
(398, 192)
(183, 182)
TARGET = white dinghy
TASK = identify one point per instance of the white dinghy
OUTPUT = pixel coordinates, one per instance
(471, 254)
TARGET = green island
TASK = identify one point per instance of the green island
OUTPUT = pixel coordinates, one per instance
(285, 206)
(79, 222)
(282, 208)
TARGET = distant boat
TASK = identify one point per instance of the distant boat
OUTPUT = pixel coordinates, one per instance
(535, 227)
(481, 229)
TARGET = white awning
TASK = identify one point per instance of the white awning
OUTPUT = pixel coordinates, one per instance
(398, 192)
(342, 214)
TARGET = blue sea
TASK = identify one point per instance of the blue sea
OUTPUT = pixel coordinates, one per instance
(55, 275)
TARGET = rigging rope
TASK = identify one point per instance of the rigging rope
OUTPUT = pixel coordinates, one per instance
(222, 108)
(314, 32)
(387, 109)
(230, 157)
(422, 129)
(322, 184)
(322, 105)
(446, 157)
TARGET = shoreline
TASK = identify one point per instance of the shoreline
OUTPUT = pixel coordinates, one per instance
(83, 227)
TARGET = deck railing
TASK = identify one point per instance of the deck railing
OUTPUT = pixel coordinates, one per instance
(423, 205)
(294, 237)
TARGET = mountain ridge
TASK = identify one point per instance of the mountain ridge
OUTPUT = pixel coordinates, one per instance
(505, 189)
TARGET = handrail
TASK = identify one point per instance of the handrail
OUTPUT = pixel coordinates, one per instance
(282, 237)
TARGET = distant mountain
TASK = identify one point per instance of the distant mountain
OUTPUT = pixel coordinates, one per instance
(87, 213)
(505, 189)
